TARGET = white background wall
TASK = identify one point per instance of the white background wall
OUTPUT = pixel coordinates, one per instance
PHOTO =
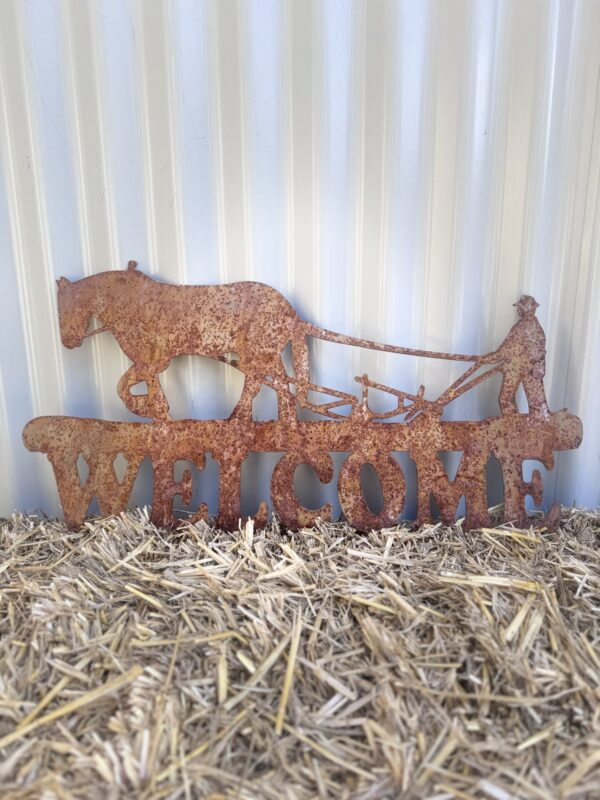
(403, 171)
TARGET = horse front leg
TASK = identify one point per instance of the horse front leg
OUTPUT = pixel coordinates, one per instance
(153, 404)
(243, 407)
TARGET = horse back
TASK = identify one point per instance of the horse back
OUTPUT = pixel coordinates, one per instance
(210, 319)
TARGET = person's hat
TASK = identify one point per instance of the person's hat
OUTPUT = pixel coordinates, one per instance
(527, 303)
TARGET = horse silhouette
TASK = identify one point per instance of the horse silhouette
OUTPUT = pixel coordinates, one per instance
(245, 324)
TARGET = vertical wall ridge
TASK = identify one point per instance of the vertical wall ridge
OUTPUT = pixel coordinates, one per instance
(400, 170)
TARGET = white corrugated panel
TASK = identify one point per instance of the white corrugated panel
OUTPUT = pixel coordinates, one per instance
(402, 171)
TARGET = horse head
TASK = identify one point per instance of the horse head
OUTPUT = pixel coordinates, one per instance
(95, 295)
(73, 315)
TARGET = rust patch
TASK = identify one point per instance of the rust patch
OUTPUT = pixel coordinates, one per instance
(249, 325)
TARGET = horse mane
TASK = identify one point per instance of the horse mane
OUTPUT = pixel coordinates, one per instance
(102, 286)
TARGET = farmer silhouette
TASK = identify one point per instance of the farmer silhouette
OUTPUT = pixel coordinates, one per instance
(520, 359)
(523, 360)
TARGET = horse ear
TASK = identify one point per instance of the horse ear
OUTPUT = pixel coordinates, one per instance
(62, 282)
(131, 266)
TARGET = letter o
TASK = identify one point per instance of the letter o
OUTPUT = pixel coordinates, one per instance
(351, 496)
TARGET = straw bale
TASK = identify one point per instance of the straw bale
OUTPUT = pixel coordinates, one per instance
(327, 663)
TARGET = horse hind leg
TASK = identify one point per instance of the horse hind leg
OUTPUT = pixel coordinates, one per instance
(243, 407)
(301, 362)
(157, 399)
(153, 404)
(280, 381)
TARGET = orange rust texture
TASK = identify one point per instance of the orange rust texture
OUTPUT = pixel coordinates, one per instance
(511, 439)
(249, 325)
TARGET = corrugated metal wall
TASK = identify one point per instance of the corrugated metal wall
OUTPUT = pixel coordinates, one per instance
(401, 170)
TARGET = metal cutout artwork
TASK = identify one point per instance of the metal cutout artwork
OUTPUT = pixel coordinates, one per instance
(249, 325)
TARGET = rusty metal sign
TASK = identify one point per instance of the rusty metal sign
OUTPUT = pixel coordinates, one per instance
(248, 325)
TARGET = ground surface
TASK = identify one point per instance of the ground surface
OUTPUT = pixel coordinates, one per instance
(325, 663)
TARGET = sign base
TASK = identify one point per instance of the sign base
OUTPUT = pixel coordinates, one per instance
(511, 439)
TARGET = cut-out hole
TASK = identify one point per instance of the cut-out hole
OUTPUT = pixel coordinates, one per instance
(83, 469)
(370, 485)
(479, 402)
(120, 465)
(494, 483)
(521, 399)
(451, 462)
(199, 387)
(205, 486)
(307, 487)
(435, 510)
(381, 402)
(183, 506)
(94, 324)
(141, 493)
(311, 493)
(256, 473)
(409, 468)
(323, 399)
(546, 483)
(93, 510)
(264, 404)
(286, 357)
(139, 388)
